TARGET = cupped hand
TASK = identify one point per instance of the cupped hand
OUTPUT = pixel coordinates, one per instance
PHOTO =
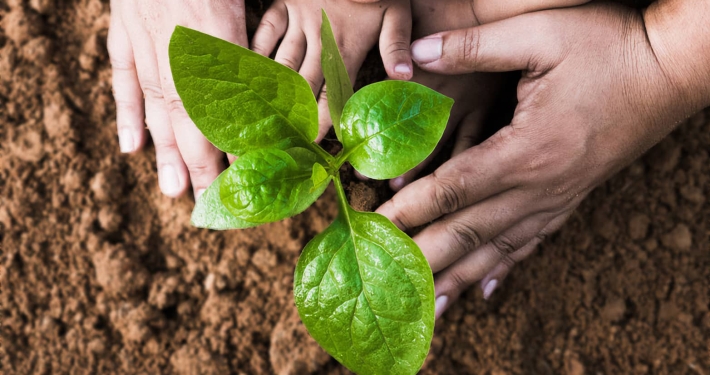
(473, 93)
(144, 91)
(594, 95)
(357, 25)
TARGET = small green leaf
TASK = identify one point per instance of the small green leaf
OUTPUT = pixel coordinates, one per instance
(366, 293)
(319, 175)
(240, 100)
(390, 127)
(210, 213)
(268, 185)
(339, 88)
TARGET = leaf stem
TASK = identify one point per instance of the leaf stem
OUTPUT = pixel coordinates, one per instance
(342, 199)
(323, 153)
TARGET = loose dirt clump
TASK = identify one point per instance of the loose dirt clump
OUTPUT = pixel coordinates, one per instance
(99, 273)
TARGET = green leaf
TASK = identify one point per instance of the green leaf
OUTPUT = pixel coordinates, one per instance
(339, 87)
(268, 185)
(319, 175)
(390, 127)
(240, 100)
(210, 213)
(366, 293)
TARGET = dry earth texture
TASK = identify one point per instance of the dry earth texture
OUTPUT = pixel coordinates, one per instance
(99, 273)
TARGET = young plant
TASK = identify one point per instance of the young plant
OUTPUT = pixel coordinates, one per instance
(362, 287)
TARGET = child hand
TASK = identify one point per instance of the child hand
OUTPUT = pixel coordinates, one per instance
(357, 25)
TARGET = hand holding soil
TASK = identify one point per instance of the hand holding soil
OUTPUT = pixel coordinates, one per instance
(588, 106)
(144, 91)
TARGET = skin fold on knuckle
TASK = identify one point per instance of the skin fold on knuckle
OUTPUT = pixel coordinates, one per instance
(466, 49)
(447, 196)
(200, 168)
(464, 237)
(457, 280)
(397, 213)
(174, 104)
(504, 246)
(152, 90)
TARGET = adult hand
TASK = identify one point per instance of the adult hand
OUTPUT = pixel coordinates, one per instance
(596, 92)
(145, 95)
(473, 94)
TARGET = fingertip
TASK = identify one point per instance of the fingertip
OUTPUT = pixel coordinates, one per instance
(272, 27)
(172, 180)
(395, 40)
(361, 176)
(427, 50)
(402, 71)
(488, 288)
(126, 141)
(440, 305)
(398, 183)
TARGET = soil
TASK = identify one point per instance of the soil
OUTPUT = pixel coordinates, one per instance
(100, 273)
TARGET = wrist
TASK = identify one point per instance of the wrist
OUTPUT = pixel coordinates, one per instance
(679, 35)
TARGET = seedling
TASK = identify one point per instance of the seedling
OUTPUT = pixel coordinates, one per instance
(362, 287)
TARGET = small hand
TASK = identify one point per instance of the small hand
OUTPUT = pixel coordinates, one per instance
(144, 91)
(357, 25)
(594, 96)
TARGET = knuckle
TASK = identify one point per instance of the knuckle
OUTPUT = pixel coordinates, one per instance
(315, 85)
(163, 145)
(289, 62)
(118, 61)
(397, 47)
(267, 25)
(127, 105)
(198, 168)
(508, 262)
(503, 245)
(174, 103)
(399, 216)
(465, 238)
(447, 196)
(470, 45)
(323, 95)
(152, 90)
(458, 279)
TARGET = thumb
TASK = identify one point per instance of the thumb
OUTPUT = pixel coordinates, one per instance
(526, 42)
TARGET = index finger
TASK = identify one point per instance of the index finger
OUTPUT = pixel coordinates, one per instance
(474, 175)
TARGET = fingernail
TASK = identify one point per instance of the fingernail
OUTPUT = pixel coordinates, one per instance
(398, 183)
(199, 193)
(490, 287)
(427, 50)
(439, 305)
(402, 69)
(168, 180)
(125, 140)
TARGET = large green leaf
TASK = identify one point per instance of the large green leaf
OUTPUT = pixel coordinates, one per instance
(268, 185)
(340, 89)
(366, 293)
(210, 213)
(240, 100)
(390, 127)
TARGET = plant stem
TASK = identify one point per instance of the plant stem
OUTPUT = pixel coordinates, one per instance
(342, 200)
(323, 153)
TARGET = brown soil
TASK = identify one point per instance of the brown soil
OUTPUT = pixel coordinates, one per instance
(99, 273)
